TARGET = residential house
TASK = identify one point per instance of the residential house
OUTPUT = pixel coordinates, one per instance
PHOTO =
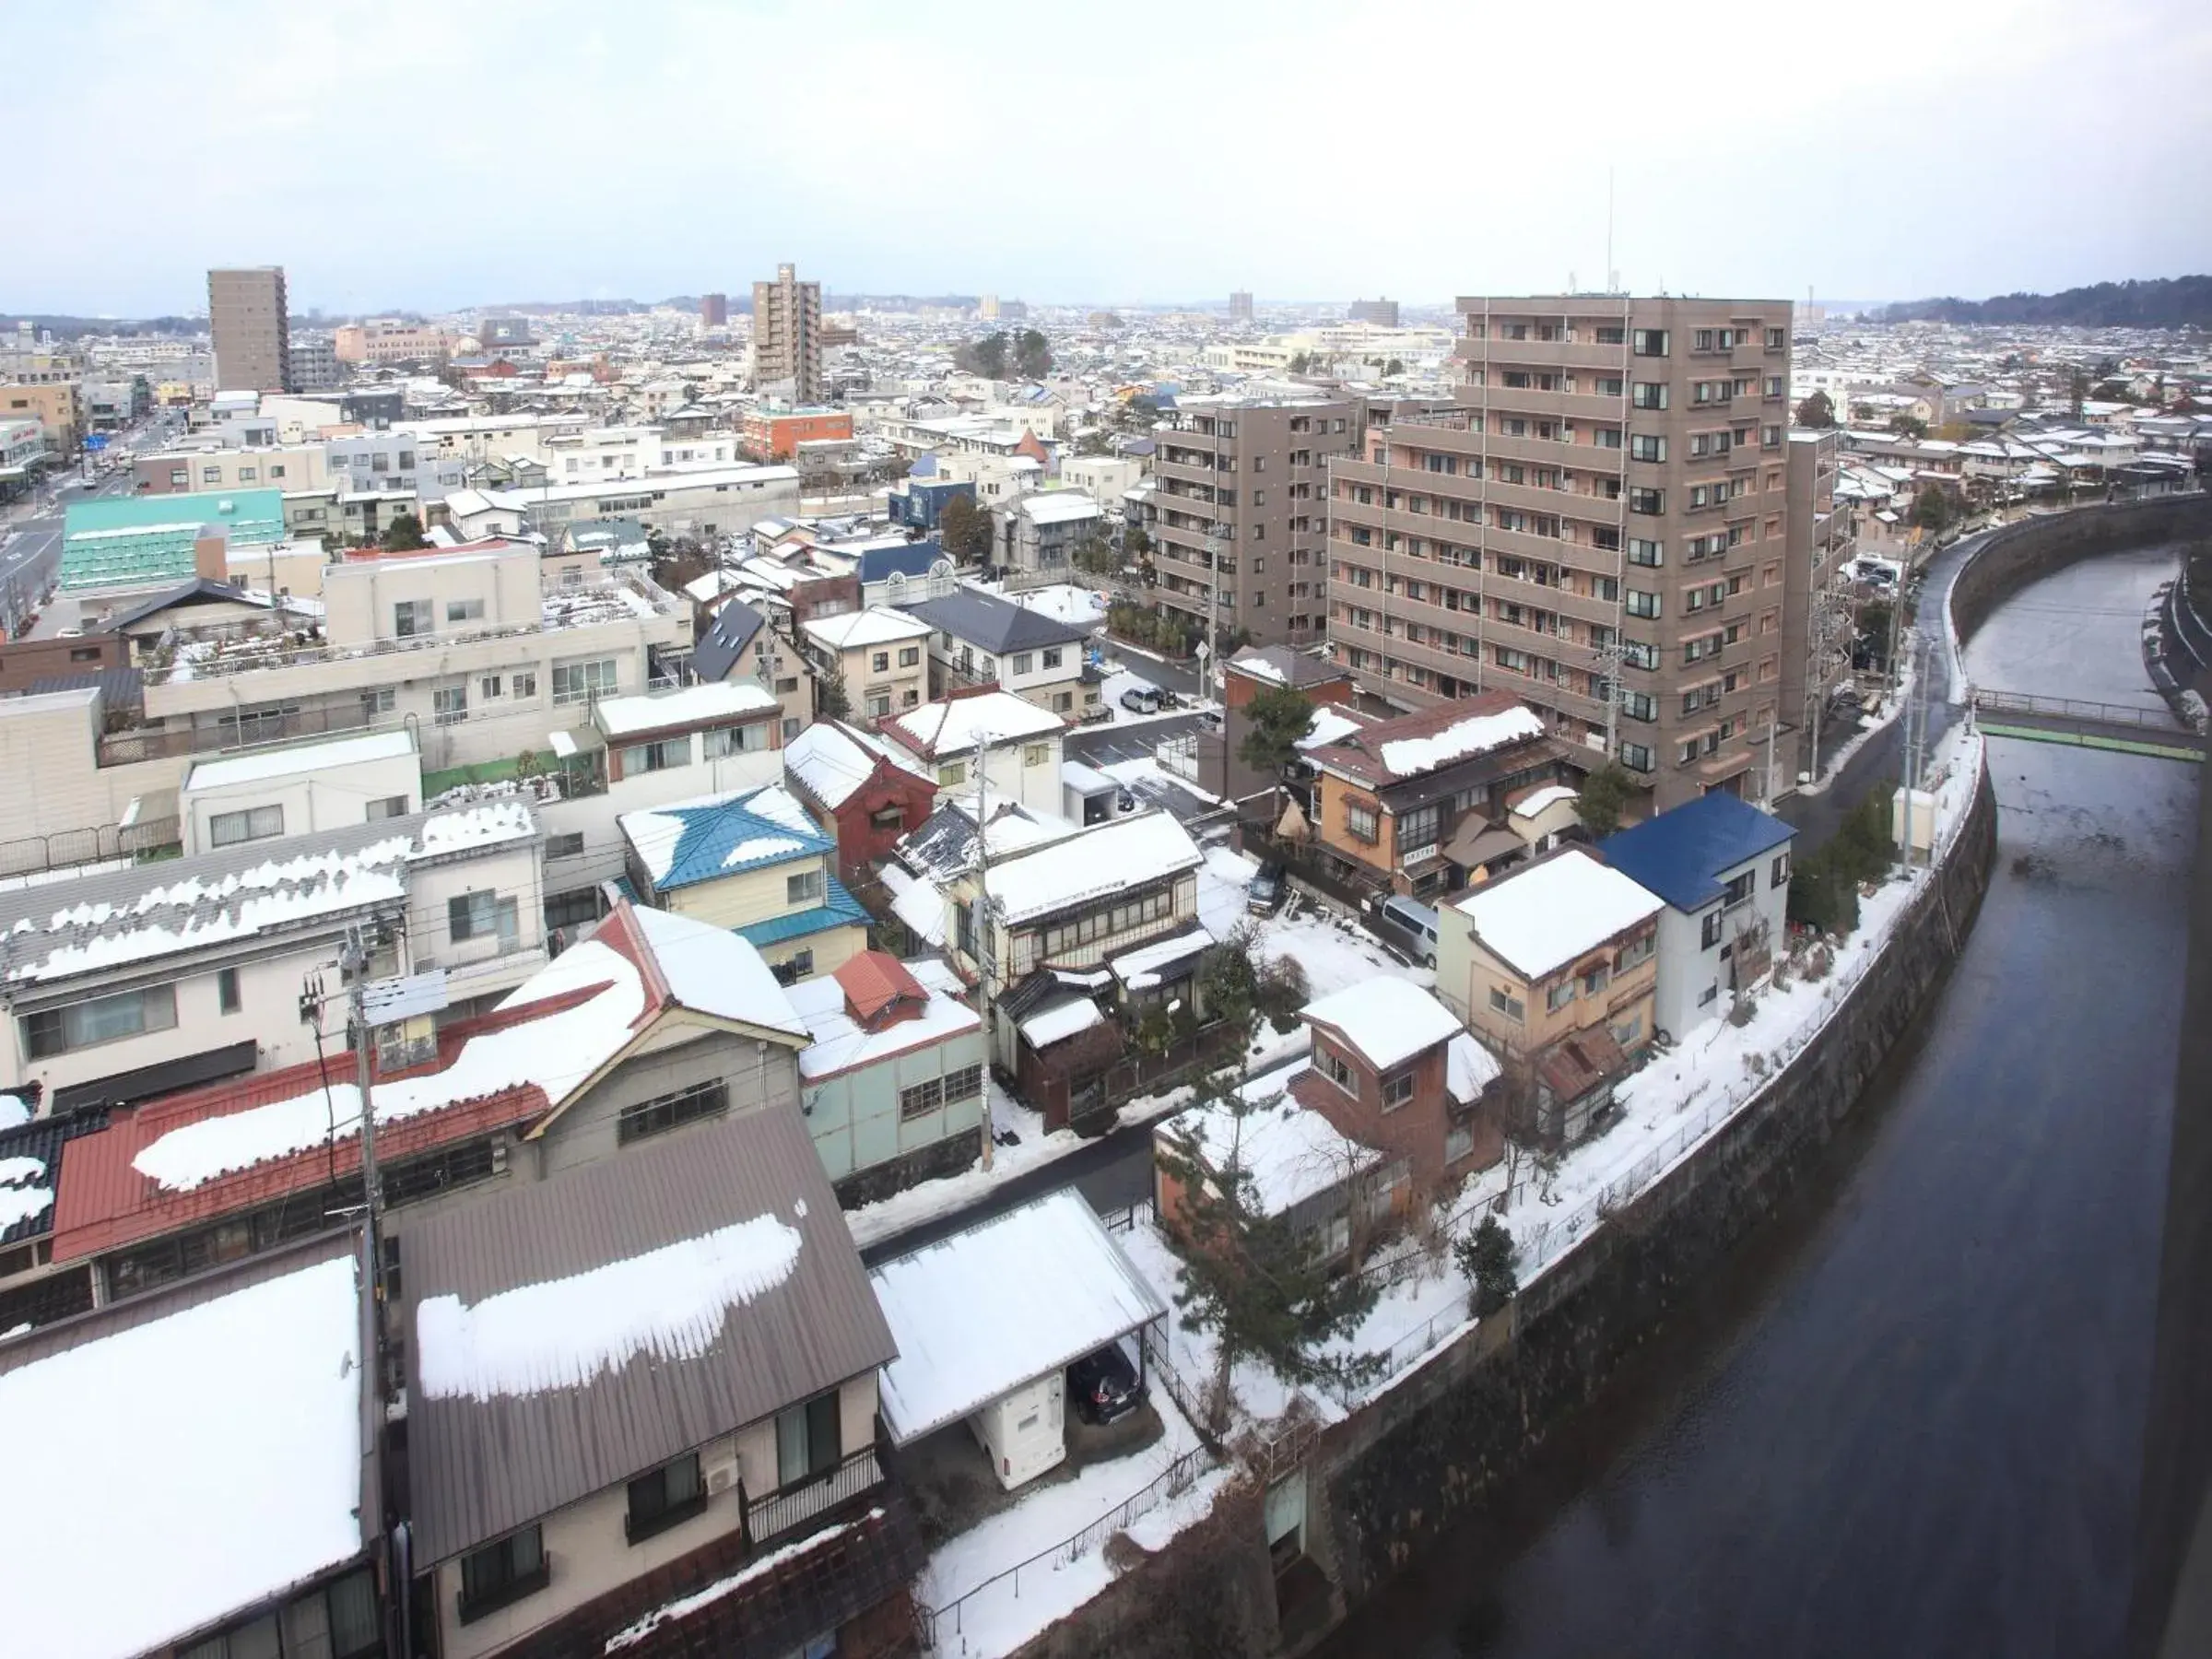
(1244, 677)
(1393, 1068)
(256, 1528)
(1021, 743)
(866, 792)
(1722, 868)
(300, 789)
(917, 500)
(1038, 534)
(655, 1434)
(1554, 967)
(892, 1086)
(879, 656)
(738, 643)
(652, 1025)
(752, 862)
(1418, 803)
(983, 639)
(135, 980)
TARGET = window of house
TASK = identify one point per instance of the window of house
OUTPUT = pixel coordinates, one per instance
(1597, 980)
(963, 1085)
(1397, 1092)
(735, 740)
(920, 1101)
(952, 774)
(226, 991)
(411, 618)
(667, 1111)
(881, 662)
(668, 1495)
(1053, 655)
(806, 887)
(256, 823)
(1036, 754)
(565, 846)
(500, 1573)
(387, 807)
(909, 656)
(1559, 996)
(1635, 953)
(1362, 822)
(1459, 1141)
(465, 610)
(794, 968)
(1779, 873)
(449, 705)
(1338, 1071)
(1739, 888)
(1709, 934)
(574, 682)
(808, 1439)
(1023, 661)
(482, 914)
(1503, 1002)
(575, 909)
(880, 704)
(211, 474)
(664, 756)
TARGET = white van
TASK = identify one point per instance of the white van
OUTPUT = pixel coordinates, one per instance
(1410, 925)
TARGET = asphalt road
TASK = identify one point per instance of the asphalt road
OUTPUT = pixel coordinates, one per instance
(30, 542)
(1107, 745)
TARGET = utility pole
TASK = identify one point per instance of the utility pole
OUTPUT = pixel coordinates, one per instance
(986, 956)
(354, 959)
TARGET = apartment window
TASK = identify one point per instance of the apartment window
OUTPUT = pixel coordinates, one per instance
(1634, 954)
(211, 474)
(482, 914)
(1774, 386)
(1648, 501)
(1650, 395)
(1644, 551)
(670, 1495)
(1510, 1007)
(565, 846)
(1561, 995)
(377, 702)
(1648, 341)
(806, 887)
(667, 1111)
(1361, 822)
(411, 618)
(1641, 603)
(488, 686)
(1647, 446)
(574, 682)
(664, 756)
(1397, 1092)
(179, 477)
(449, 705)
(1777, 338)
(735, 740)
(524, 684)
(1636, 757)
(1769, 436)
(256, 823)
(100, 1020)
(386, 806)
(501, 1574)
(808, 1439)
(1639, 705)
(463, 610)
(952, 774)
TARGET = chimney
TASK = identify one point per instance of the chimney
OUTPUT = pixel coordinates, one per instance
(211, 556)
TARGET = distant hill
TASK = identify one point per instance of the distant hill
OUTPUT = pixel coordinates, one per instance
(2161, 303)
(71, 328)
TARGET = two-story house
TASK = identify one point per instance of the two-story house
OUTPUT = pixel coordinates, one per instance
(981, 639)
(1021, 743)
(881, 655)
(755, 863)
(1411, 803)
(300, 789)
(1554, 966)
(737, 644)
(866, 792)
(1038, 533)
(131, 983)
(1393, 1068)
(656, 1433)
(1722, 868)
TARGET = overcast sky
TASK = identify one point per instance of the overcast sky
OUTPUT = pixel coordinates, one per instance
(468, 151)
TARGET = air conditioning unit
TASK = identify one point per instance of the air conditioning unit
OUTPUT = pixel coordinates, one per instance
(721, 1477)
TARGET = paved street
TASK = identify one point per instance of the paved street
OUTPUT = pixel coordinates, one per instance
(1107, 745)
(30, 530)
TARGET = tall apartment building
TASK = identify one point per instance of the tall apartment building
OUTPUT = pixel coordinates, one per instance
(1600, 528)
(315, 364)
(1240, 306)
(1822, 543)
(787, 334)
(713, 311)
(1241, 500)
(1382, 314)
(247, 315)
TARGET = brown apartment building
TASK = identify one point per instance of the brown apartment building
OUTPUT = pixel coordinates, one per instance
(1823, 544)
(787, 334)
(1242, 494)
(246, 315)
(1600, 528)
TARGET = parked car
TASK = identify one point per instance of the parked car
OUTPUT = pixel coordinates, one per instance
(1141, 700)
(1409, 927)
(1104, 1385)
(1264, 896)
(1210, 719)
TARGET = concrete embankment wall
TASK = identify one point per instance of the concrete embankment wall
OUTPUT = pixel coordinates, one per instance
(2022, 552)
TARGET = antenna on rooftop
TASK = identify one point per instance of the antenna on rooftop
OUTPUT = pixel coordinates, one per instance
(1612, 276)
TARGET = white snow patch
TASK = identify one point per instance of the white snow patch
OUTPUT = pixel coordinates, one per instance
(669, 1303)
(1387, 1022)
(685, 1605)
(1055, 1025)
(1108, 858)
(759, 847)
(1540, 918)
(1476, 734)
(12, 1112)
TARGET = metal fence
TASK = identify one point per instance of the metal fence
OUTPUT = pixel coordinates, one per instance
(69, 849)
(944, 1630)
(2070, 708)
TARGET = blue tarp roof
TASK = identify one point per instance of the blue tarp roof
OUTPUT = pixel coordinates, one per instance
(1680, 854)
(715, 834)
(838, 909)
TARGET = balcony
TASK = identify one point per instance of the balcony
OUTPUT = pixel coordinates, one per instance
(778, 1511)
(1544, 354)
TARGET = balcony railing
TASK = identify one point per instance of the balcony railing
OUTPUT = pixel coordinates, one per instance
(777, 1513)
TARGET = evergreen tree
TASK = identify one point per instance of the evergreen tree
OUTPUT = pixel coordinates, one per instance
(403, 534)
(1605, 796)
(964, 531)
(1486, 1256)
(831, 700)
(1818, 411)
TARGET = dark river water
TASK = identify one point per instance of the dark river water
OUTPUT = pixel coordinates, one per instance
(1909, 1421)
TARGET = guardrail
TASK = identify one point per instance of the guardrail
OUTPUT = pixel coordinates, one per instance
(2070, 708)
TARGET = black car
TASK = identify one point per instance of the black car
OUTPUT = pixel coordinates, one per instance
(1265, 893)
(1104, 1386)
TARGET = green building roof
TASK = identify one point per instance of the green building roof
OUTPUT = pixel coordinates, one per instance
(133, 539)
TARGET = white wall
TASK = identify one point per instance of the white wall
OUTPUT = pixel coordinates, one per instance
(1688, 970)
(332, 797)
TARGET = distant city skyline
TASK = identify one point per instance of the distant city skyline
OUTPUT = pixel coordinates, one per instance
(1900, 151)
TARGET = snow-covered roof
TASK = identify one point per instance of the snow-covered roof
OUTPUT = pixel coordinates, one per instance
(1544, 796)
(841, 1044)
(710, 837)
(1140, 969)
(1061, 1021)
(1057, 506)
(1544, 915)
(1412, 744)
(952, 725)
(1474, 735)
(1387, 1020)
(917, 903)
(694, 705)
(874, 626)
(1107, 858)
(152, 910)
(1469, 1068)
(1007, 1300)
(211, 1437)
(1291, 1152)
(1331, 724)
(299, 757)
(831, 760)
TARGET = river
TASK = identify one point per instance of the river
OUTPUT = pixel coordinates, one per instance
(1909, 1419)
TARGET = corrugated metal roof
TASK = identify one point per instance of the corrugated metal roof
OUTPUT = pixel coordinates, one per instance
(481, 1467)
(838, 909)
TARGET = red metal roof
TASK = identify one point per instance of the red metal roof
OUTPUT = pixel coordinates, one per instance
(875, 982)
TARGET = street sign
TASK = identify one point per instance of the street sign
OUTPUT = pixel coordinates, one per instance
(95, 440)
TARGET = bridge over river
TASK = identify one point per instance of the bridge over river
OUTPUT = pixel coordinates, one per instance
(2126, 728)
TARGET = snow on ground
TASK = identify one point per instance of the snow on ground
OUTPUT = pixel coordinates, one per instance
(1000, 1613)
(1146, 776)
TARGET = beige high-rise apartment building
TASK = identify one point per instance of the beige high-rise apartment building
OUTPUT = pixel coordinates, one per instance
(1601, 528)
(246, 314)
(1822, 543)
(1240, 498)
(787, 334)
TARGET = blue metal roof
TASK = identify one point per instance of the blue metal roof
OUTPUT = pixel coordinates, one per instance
(913, 559)
(1680, 854)
(924, 467)
(725, 837)
(838, 909)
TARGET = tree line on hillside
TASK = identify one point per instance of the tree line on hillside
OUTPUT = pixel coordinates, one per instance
(2160, 302)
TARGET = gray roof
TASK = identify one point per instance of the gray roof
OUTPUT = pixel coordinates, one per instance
(482, 1467)
(723, 644)
(1293, 668)
(992, 623)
